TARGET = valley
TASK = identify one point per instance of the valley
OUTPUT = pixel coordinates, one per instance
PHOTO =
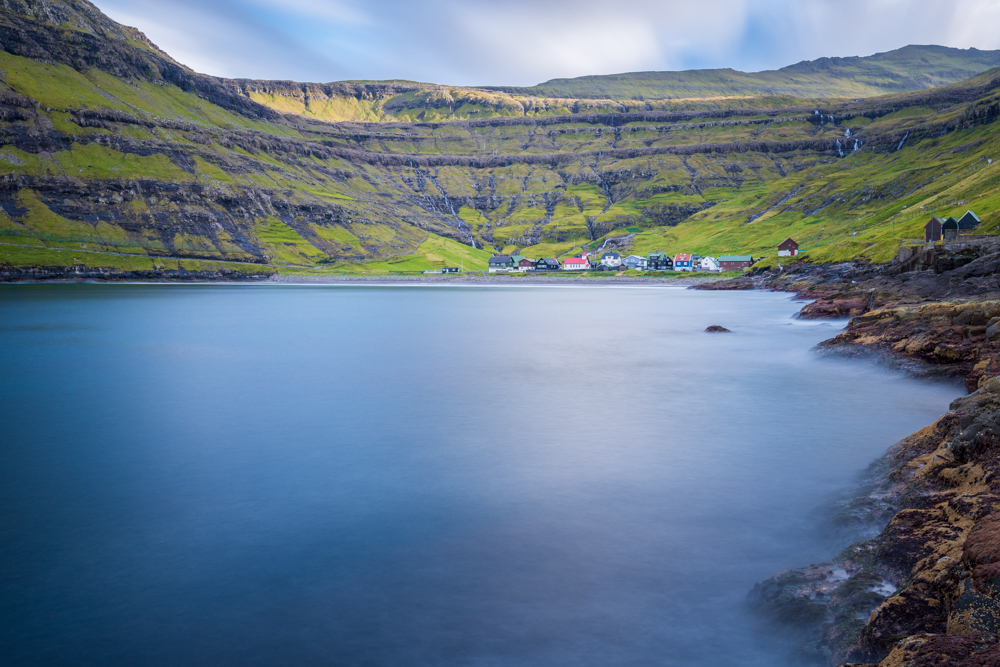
(111, 147)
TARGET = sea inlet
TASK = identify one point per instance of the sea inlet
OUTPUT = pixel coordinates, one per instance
(488, 476)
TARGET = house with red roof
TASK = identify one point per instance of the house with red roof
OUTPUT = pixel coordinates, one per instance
(683, 262)
(576, 263)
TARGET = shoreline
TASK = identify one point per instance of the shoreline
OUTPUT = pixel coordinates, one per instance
(387, 281)
(926, 589)
(495, 279)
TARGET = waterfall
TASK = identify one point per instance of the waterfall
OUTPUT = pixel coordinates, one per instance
(847, 132)
(857, 144)
(900, 147)
(840, 148)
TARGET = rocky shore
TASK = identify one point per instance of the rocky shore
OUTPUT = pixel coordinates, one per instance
(926, 589)
(935, 310)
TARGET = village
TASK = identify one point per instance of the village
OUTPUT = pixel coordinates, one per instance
(936, 230)
(613, 261)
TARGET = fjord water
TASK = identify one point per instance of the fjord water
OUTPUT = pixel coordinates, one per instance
(270, 475)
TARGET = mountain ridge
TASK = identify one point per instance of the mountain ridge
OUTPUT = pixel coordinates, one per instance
(904, 69)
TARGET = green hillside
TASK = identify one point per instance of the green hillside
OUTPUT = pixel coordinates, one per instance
(113, 155)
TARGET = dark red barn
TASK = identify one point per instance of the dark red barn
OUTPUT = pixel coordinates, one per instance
(932, 230)
(788, 248)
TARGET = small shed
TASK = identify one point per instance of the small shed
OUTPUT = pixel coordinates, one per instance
(788, 248)
(932, 230)
(949, 229)
(449, 269)
(968, 221)
(735, 262)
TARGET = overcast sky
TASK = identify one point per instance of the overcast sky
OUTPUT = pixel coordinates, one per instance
(524, 42)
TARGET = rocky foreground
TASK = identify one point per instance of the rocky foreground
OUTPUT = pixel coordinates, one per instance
(926, 590)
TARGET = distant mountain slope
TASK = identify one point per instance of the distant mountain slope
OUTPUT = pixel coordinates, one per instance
(905, 69)
(908, 69)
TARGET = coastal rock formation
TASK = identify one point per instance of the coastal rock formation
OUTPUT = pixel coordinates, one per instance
(942, 321)
(715, 328)
(927, 588)
(833, 308)
(958, 339)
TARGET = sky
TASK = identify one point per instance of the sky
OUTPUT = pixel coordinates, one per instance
(524, 42)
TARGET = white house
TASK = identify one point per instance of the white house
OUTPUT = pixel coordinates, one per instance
(500, 263)
(709, 264)
(611, 259)
(576, 264)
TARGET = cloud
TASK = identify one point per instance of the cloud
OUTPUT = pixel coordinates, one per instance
(522, 42)
(224, 38)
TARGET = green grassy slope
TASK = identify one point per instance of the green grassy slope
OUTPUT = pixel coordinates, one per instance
(107, 166)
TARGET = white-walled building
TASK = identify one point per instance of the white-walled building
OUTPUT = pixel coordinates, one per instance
(709, 264)
(611, 259)
(576, 264)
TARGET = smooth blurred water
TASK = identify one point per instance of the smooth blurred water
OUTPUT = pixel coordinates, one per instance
(272, 475)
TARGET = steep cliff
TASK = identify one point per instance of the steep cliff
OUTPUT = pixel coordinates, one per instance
(113, 155)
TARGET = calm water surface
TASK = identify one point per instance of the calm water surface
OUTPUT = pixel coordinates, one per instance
(276, 475)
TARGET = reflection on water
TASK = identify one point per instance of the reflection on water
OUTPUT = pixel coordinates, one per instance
(214, 475)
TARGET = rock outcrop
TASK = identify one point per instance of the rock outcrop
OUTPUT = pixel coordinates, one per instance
(929, 583)
(957, 339)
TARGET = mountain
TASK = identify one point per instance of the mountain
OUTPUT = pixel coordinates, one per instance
(905, 69)
(115, 158)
